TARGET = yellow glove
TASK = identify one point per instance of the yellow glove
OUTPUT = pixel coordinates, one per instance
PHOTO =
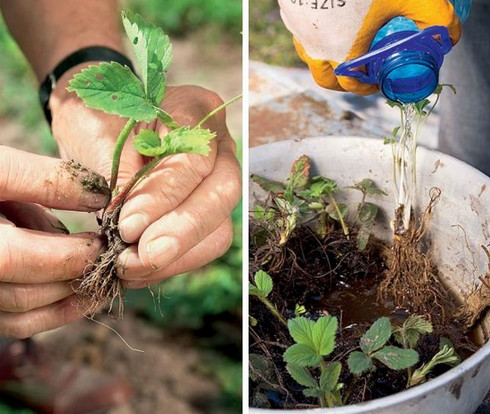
(329, 32)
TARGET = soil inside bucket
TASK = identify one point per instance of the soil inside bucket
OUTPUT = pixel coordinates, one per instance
(332, 276)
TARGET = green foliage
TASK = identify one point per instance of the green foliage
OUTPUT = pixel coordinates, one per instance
(298, 177)
(409, 333)
(263, 285)
(377, 336)
(396, 358)
(302, 199)
(181, 18)
(299, 310)
(446, 355)
(153, 53)
(373, 345)
(114, 89)
(302, 376)
(182, 140)
(271, 186)
(313, 340)
(366, 211)
(368, 187)
(19, 99)
(359, 363)
(269, 39)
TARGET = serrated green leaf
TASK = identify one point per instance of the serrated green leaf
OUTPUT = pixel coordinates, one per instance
(396, 358)
(153, 52)
(264, 283)
(446, 355)
(274, 187)
(148, 143)
(330, 376)
(188, 140)
(359, 363)
(313, 393)
(368, 186)
(367, 212)
(302, 355)
(299, 173)
(324, 334)
(332, 211)
(301, 375)
(363, 237)
(409, 333)
(376, 336)
(114, 89)
(323, 186)
(301, 329)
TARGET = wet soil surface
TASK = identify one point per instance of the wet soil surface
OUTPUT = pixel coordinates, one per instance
(331, 276)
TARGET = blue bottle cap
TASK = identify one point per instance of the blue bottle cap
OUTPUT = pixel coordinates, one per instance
(404, 64)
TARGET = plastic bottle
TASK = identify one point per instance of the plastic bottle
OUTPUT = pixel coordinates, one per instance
(404, 60)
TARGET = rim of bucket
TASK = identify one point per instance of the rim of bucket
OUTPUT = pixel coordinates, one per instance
(412, 393)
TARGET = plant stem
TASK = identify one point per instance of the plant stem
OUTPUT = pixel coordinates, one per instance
(121, 196)
(345, 229)
(273, 309)
(219, 108)
(116, 157)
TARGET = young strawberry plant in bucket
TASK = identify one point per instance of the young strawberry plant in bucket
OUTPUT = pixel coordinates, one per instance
(315, 258)
(115, 89)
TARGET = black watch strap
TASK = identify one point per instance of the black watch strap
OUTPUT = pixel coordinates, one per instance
(87, 54)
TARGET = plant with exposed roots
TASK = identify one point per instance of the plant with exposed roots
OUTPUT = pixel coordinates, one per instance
(115, 89)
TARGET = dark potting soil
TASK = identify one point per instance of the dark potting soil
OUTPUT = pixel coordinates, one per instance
(331, 276)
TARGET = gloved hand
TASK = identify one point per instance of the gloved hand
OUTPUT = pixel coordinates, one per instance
(329, 32)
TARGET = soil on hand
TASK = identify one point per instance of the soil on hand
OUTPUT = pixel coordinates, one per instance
(331, 276)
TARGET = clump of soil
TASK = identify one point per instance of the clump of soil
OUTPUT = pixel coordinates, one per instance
(90, 180)
(332, 276)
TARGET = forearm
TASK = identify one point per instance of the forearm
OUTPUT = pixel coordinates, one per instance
(49, 30)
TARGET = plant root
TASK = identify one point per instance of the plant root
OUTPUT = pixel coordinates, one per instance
(477, 302)
(412, 280)
(100, 283)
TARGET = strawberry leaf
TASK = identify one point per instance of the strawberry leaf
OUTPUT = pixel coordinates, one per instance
(114, 89)
(191, 140)
(148, 143)
(153, 53)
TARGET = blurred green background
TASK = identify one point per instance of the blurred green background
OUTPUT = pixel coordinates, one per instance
(270, 41)
(205, 305)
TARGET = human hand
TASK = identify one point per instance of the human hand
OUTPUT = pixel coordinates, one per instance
(177, 219)
(329, 32)
(37, 258)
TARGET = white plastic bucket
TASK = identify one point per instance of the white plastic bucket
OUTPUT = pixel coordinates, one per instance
(458, 229)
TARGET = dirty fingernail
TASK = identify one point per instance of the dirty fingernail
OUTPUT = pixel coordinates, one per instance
(162, 251)
(131, 227)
